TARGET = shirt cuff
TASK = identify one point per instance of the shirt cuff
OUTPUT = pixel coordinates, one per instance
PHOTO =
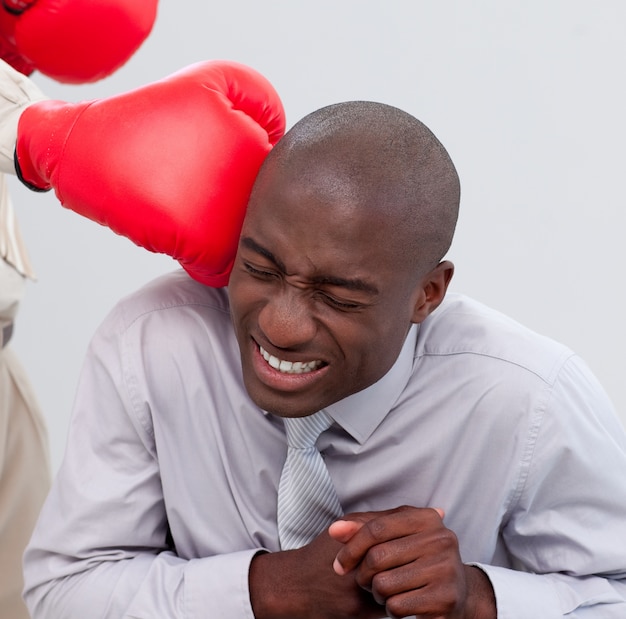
(520, 595)
(219, 583)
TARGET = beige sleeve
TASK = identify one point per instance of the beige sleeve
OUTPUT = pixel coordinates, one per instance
(24, 477)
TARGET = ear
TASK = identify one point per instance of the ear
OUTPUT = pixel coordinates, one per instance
(432, 290)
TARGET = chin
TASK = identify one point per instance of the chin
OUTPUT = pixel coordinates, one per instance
(282, 408)
(281, 405)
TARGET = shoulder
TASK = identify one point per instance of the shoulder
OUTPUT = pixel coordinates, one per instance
(170, 297)
(506, 375)
(172, 327)
(175, 289)
(466, 328)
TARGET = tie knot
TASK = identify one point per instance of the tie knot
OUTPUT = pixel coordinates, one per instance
(302, 432)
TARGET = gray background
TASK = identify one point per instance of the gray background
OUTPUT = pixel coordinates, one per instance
(528, 97)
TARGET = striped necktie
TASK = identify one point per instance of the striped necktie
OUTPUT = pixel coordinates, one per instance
(307, 500)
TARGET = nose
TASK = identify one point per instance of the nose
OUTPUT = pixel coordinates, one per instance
(286, 319)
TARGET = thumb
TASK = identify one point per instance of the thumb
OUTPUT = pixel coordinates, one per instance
(343, 530)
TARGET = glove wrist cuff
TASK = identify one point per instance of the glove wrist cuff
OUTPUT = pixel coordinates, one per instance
(20, 176)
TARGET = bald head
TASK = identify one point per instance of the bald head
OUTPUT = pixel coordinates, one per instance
(380, 160)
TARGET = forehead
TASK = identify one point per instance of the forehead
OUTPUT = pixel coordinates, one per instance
(320, 190)
(316, 200)
(316, 222)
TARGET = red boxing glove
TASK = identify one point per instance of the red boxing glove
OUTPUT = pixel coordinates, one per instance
(169, 165)
(73, 41)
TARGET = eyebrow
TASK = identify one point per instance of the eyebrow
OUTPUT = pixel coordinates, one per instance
(350, 284)
(259, 249)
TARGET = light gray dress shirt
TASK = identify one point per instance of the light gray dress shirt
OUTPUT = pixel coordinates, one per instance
(168, 486)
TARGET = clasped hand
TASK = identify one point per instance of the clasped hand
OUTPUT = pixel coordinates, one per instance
(401, 562)
(408, 560)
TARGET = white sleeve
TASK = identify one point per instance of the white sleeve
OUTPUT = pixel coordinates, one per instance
(567, 530)
(100, 548)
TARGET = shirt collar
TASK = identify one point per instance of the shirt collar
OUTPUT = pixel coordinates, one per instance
(361, 413)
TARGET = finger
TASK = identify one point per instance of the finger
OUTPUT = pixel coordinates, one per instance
(397, 582)
(428, 601)
(343, 530)
(391, 525)
(428, 552)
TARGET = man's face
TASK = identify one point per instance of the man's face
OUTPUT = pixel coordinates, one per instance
(321, 301)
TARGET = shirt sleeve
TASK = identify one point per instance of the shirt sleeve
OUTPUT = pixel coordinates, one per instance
(101, 546)
(566, 532)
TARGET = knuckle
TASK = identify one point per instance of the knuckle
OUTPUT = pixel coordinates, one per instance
(397, 607)
(446, 539)
(376, 529)
(383, 586)
(376, 557)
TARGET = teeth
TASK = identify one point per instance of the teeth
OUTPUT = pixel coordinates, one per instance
(287, 367)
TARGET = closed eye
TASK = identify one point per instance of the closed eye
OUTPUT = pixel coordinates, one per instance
(339, 304)
(260, 273)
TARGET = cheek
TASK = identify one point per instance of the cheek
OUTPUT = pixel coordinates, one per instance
(237, 298)
(361, 344)
(246, 300)
(379, 347)
(239, 289)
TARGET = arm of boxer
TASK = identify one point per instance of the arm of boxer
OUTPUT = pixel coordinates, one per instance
(169, 165)
(74, 41)
(17, 92)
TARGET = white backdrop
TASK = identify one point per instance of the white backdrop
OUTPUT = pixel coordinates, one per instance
(528, 97)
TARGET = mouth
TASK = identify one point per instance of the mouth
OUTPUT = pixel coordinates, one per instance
(290, 367)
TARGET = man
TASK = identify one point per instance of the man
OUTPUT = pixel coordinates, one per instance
(480, 468)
